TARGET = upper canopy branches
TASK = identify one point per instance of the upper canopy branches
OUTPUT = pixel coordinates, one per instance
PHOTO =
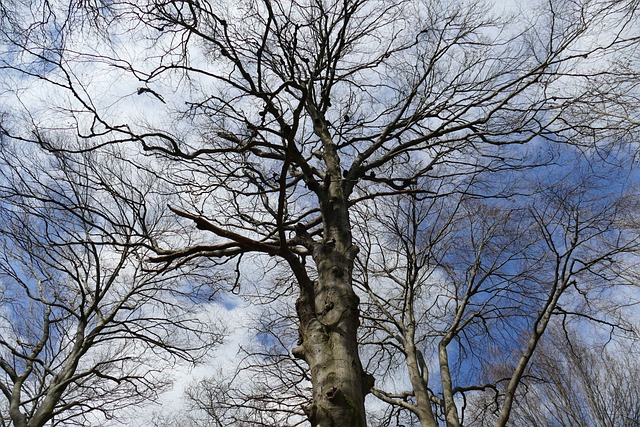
(277, 102)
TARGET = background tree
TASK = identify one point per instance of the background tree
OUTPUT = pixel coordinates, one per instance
(85, 330)
(460, 289)
(577, 383)
(291, 114)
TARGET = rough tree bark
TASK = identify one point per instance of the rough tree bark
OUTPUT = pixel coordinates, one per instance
(328, 308)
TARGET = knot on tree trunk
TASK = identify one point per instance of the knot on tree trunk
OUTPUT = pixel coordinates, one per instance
(299, 353)
(368, 382)
(328, 306)
(332, 394)
(352, 252)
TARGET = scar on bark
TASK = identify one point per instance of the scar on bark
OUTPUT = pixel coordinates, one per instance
(332, 394)
(328, 306)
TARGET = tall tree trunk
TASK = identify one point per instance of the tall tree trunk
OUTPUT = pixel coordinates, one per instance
(328, 309)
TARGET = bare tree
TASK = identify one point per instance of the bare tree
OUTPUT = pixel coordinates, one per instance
(460, 289)
(84, 329)
(290, 114)
(578, 383)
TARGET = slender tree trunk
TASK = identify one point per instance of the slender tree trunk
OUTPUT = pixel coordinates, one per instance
(451, 410)
(418, 383)
(538, 330)
(17, 417)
